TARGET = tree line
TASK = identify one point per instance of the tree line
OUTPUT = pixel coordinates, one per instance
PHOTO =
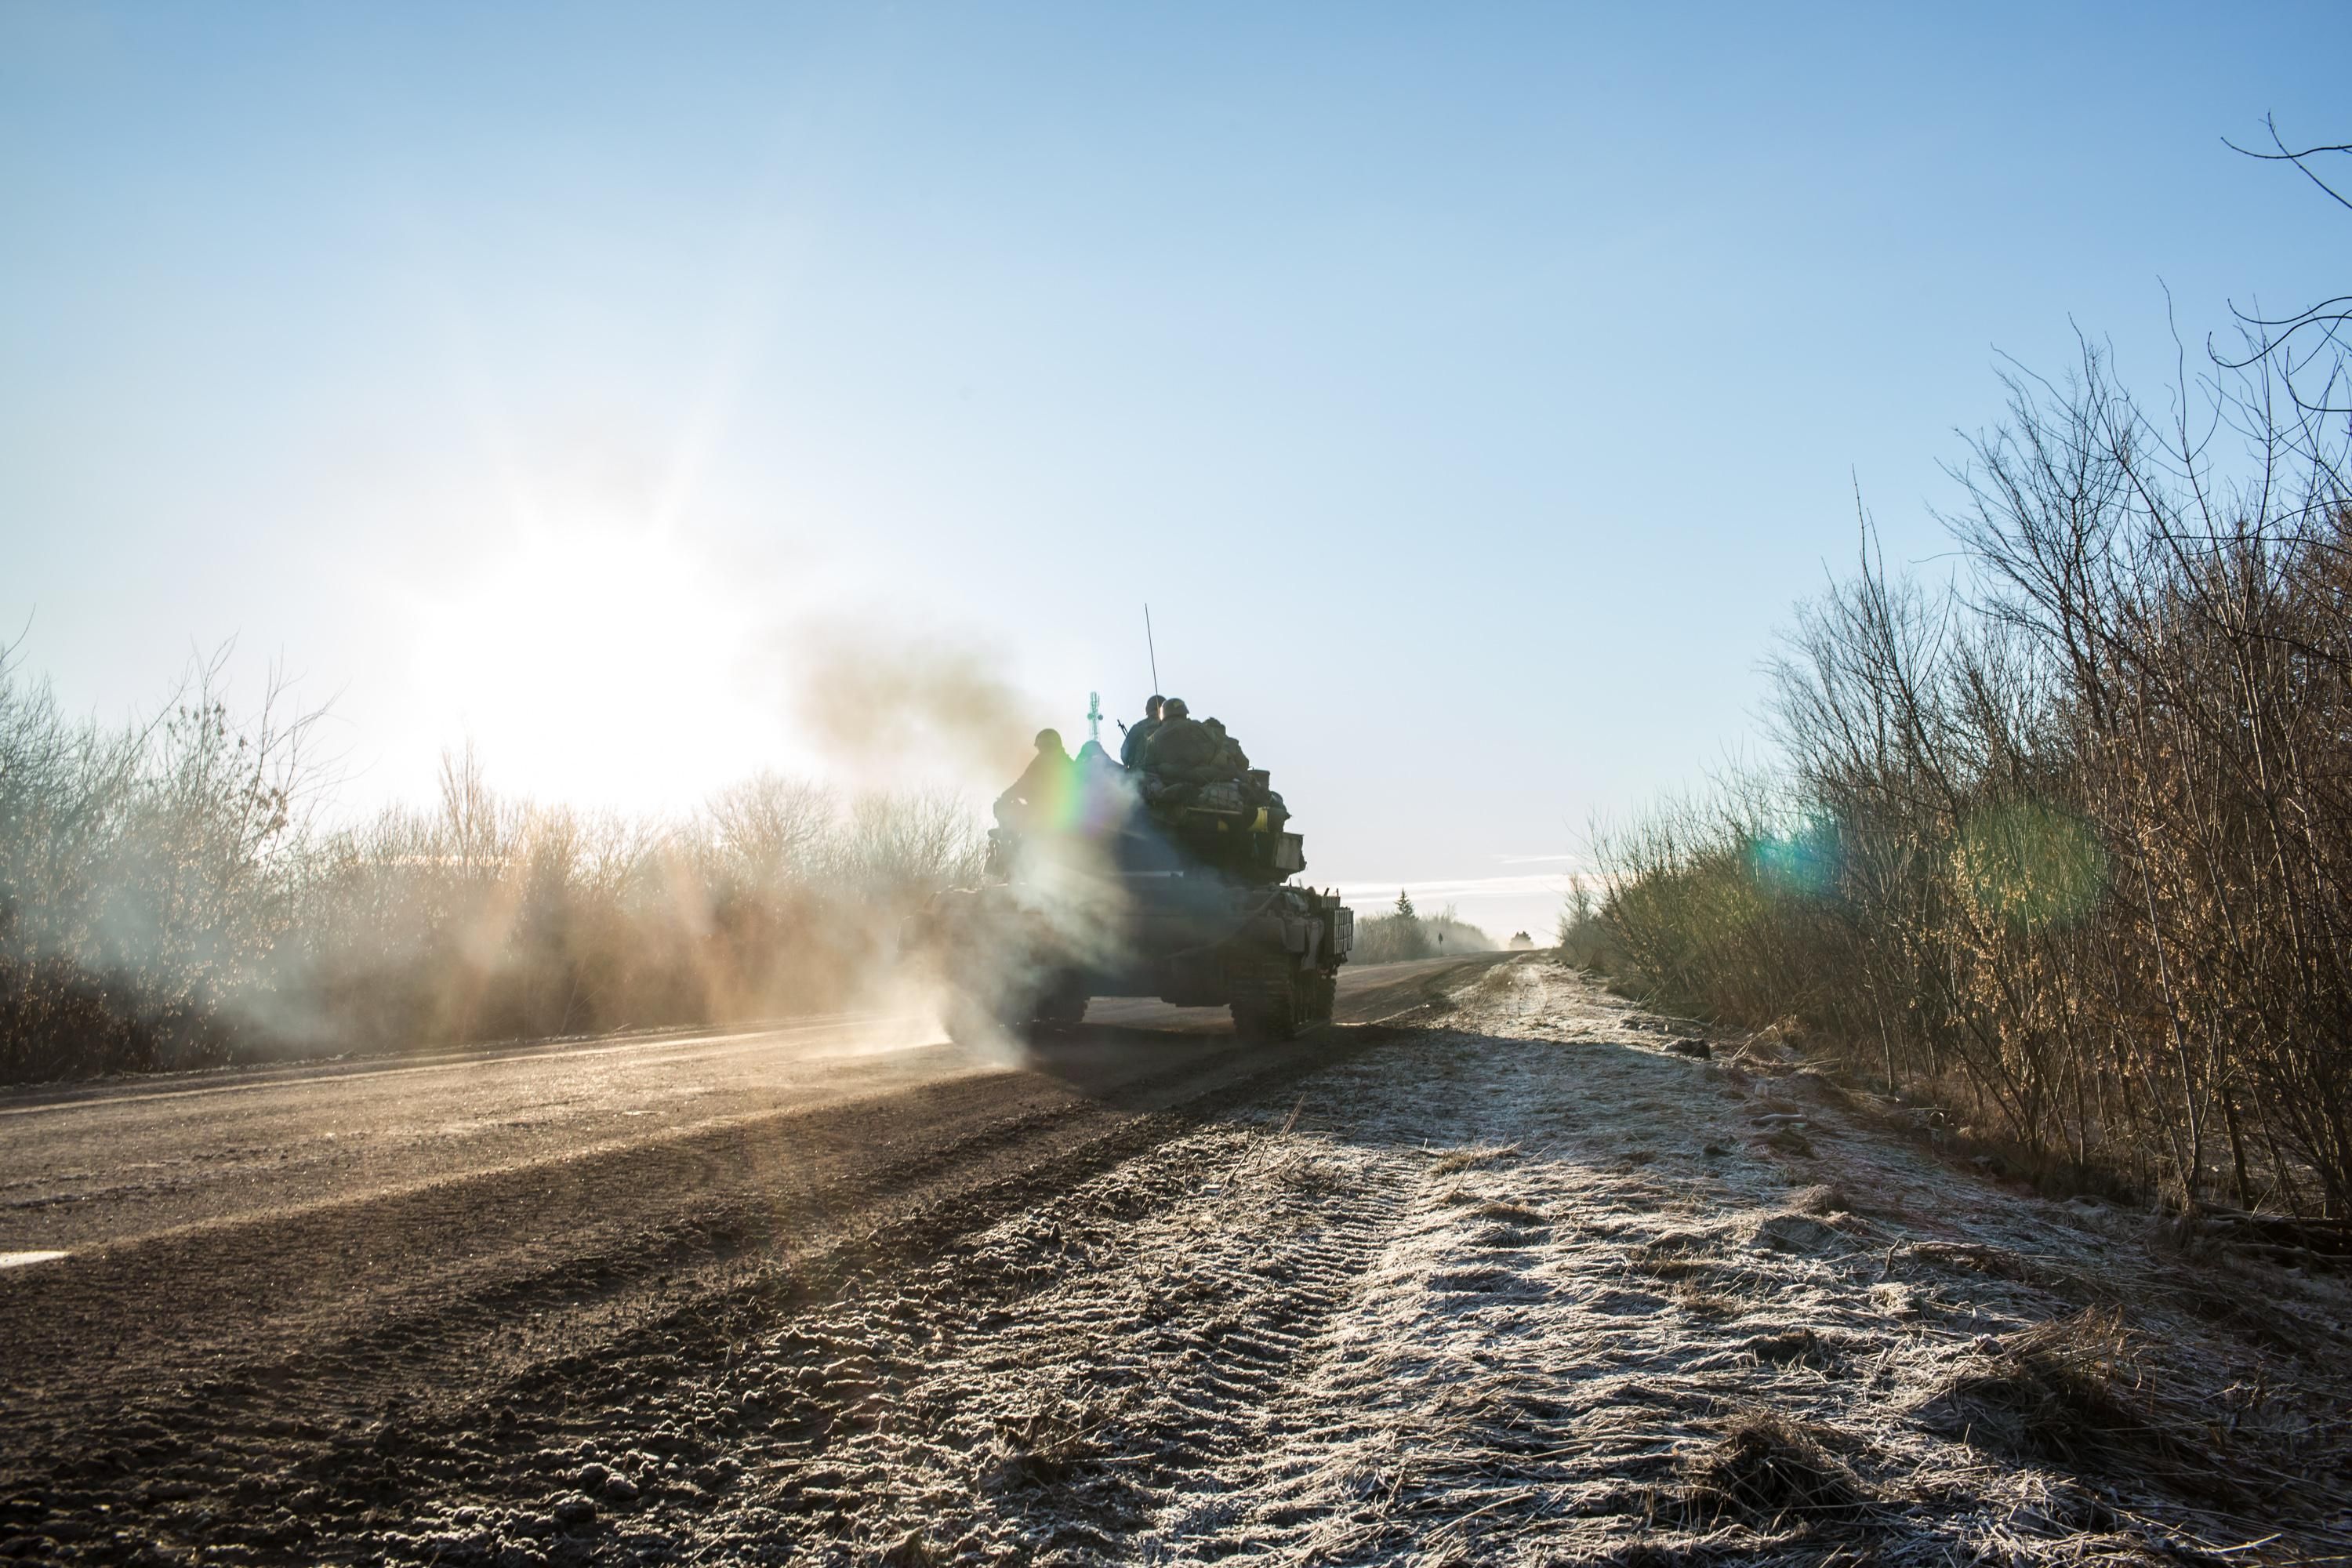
(170, 898)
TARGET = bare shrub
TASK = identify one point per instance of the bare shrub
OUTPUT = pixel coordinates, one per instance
(167, 898)
(146, 875)
(2067, 846)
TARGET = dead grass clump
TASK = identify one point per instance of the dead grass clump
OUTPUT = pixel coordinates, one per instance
(1821, 1201)
(1769, 1048)
(2060, 1392)
(2073, 1392)
(1701, 1303)
(909, 1550)
(2248, 1317)
(1043, 1451)
(1826, 1088)
(1798, 1233)
(1766, 1466)
(1993, 1262)
(1673, 1241)
(1796, 1347)
(1454, 1160)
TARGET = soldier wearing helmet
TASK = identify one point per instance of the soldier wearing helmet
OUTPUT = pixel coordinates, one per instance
(1042, 793)
(1181, 749)
(1131, 748)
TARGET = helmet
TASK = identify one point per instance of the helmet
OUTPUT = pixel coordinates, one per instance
(1049, 740)
(1176, 708)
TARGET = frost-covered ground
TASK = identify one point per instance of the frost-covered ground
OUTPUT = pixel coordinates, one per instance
(1528, 1284)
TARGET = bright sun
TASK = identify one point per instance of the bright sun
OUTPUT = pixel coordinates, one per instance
(598, 665)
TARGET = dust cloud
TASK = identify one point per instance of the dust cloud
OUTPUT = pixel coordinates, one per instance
(877, 700)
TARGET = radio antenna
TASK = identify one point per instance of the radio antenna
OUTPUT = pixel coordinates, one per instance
(1151, 646)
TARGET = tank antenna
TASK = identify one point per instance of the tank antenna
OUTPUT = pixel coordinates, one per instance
(1151, 646)
(1094, 717)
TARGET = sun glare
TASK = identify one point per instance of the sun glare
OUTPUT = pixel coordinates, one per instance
(598, 665)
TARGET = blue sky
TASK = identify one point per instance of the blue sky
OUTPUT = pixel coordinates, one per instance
(1471, 391)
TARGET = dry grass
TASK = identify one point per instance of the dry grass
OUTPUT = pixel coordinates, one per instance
(1454, 1160)
(1767, 1469)
(2076, 1391)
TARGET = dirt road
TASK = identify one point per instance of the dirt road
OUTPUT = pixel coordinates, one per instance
(1512, 1276)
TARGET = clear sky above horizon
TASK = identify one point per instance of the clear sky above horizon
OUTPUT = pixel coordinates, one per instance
(1470, 392)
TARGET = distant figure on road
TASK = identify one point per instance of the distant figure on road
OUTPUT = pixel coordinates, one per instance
(1130, 750)
(1041, 795)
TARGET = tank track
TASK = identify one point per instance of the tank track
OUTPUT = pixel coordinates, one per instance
(1319, 994)
(1272, 1000)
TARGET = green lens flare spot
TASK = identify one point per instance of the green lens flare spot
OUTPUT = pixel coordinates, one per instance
(2031, 866)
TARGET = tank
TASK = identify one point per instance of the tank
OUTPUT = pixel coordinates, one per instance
(1139, 887)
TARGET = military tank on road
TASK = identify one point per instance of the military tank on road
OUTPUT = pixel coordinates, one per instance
(1139, 883)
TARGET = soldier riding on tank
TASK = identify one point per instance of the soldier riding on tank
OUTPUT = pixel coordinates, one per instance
(1131, 748)
(1043, 791)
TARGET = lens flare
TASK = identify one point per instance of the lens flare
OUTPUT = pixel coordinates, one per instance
(2031, 865)
(1802, 863)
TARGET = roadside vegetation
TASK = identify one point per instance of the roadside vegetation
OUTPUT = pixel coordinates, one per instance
(1406, 933)
(2062, 847)
(169, 897)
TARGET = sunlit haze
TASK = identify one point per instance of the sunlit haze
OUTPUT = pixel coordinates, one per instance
(1470, 394)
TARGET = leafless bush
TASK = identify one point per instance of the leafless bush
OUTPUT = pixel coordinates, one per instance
(166, 900)
(1582, 936)
(2067, 846)
(146, 875)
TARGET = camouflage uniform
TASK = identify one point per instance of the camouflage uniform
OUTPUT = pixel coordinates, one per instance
(1136, 741)
(1181, 750)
